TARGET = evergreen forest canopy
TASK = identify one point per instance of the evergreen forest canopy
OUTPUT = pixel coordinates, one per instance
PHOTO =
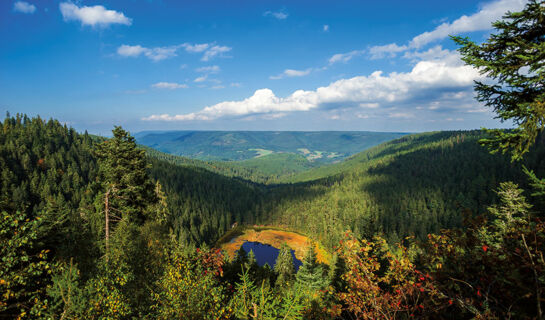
(425, 226)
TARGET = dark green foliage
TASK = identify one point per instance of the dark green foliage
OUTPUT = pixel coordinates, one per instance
(514, 57)
(66, 294)
(284, 267)
(44, 165)
(258, 300)
(203, 205)
(312, 275)
(24, 269)
(124, 176)
(336, 270)
(46, 171)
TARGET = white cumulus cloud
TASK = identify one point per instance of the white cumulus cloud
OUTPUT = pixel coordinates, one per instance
(24, 7)
(92, 16)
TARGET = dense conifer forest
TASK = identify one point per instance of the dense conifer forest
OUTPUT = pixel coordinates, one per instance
(429, 226)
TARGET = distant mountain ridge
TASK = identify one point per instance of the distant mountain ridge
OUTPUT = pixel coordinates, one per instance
(315, 146)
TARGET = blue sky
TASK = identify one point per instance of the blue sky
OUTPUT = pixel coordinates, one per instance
(244, 65)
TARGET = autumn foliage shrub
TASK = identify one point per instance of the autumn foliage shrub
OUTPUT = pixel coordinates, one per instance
(381, 284)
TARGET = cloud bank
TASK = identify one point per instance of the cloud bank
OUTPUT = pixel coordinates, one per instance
(436, 77)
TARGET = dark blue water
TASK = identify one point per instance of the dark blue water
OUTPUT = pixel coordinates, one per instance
(267, 254)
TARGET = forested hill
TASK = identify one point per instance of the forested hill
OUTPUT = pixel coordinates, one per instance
(319, 146)
(417, 185)
(267, 169)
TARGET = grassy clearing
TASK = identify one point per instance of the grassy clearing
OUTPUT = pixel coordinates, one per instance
(272, 236)
(261, 152)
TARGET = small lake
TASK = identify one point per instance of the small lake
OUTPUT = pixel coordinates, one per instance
(265, 253)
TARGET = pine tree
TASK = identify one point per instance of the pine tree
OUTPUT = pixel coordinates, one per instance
(284, 266)
(514, 57)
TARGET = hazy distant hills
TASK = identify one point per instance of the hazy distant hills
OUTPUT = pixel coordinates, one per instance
(315, 146)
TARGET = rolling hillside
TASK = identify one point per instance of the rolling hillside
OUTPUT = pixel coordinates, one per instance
(317, 147)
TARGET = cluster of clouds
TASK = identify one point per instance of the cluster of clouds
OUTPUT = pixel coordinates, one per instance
(362, 93)
(209, 51)
(204, 73)
(94, 16)
(438, 82)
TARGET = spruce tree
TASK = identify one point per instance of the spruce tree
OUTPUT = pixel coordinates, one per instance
(311, 273)
(284, 266)
(336, 270)
(128, 191)
(123, 169)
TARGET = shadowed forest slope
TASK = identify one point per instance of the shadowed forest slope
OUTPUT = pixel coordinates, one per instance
(414, 185)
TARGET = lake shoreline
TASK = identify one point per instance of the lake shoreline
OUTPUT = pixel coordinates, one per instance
(272, 236)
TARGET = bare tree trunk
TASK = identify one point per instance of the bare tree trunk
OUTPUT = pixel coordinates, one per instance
(107, 219)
